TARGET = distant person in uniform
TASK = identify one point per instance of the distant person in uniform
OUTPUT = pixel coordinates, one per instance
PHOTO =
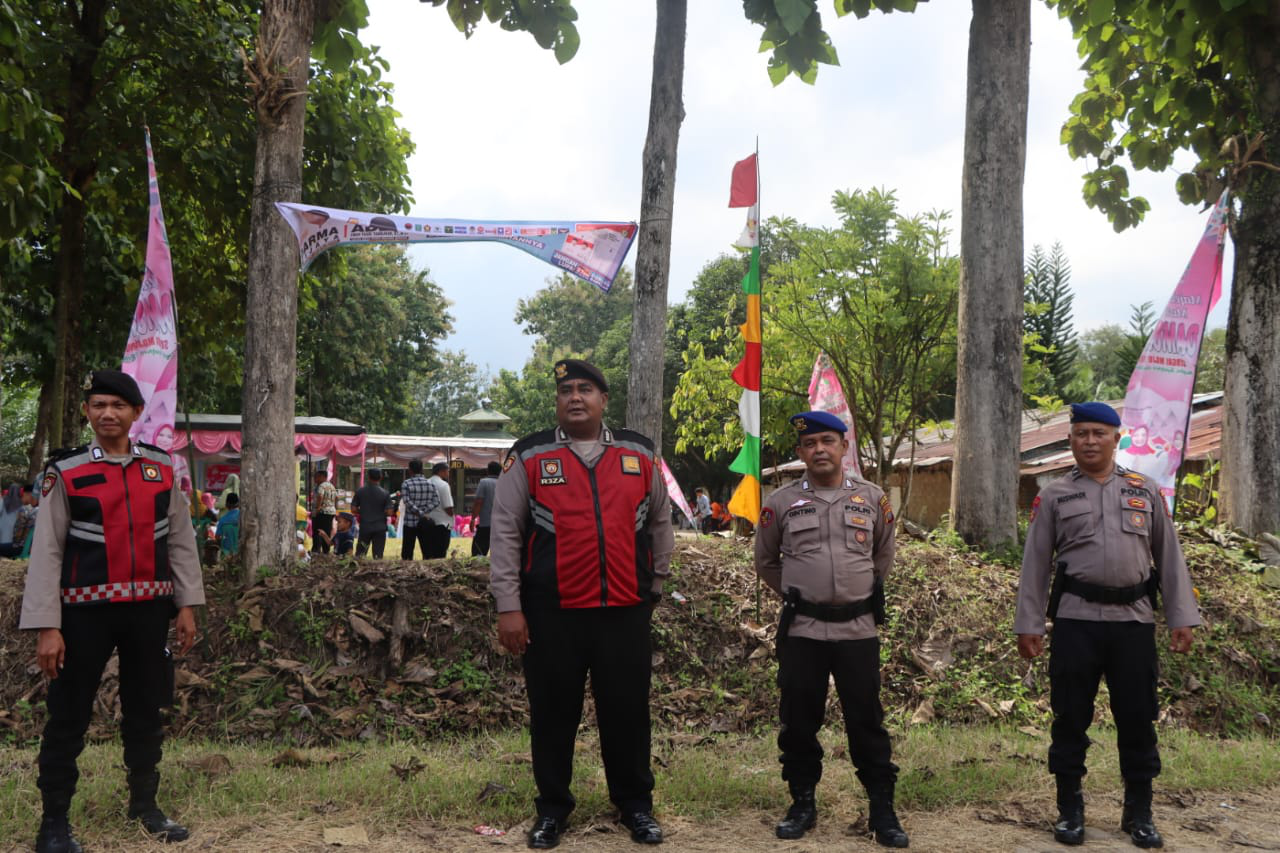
(482, 509)
(92, 589)
(372, 505)
(581, 542)
(825, 544)
(1099, 549)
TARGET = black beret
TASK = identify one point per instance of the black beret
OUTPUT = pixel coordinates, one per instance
(113, 382)
(807, 423)
(1097, 413)
(575, 368)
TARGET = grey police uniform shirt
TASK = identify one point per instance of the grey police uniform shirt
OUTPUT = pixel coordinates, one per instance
(510, 521)
(831, 545)
(42, 598)
(1108, 534)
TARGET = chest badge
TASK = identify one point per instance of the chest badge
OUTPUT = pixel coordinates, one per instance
(860, 536)
(630, 464)
(1137, 503)
(151, 473)
(858, 499)
(1139, 519)
(552, 472)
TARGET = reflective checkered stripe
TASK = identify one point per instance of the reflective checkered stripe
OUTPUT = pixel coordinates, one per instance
(136, 591)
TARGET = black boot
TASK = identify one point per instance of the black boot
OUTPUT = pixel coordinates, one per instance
(1070, 826)
(143, 808)
(1136, 817)
(882, 819)
(55, 835)
(801, 817)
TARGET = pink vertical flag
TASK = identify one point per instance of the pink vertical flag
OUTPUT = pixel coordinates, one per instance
(151, 355)
(1157, 404)
(827, 395)
(674, 491)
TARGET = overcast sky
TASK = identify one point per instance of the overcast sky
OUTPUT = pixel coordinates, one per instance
(503, 132)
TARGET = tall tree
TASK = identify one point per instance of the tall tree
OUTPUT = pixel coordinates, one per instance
(278, 87)
(657, 202)
(984, 474)
(1203, 76)
(1049, 290)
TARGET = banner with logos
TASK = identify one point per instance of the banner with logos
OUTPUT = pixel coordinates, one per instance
(827, 395)
(592, 250)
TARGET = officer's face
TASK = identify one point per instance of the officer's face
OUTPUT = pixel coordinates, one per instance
(1094, 445)
(821, 453)
(110, 416)
(580, 405)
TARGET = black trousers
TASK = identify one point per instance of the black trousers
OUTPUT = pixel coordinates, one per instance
(804, 668)
(438, 537)
(378, 540)
(137, 630)
(480, 542)
(612, 645)
(417, 534)
(320, 521)
(1080, 654)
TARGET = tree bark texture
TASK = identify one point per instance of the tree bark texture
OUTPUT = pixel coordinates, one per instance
(984, 480)
(44, 414)
(78, 169)
(278, 84)
(1251, 428)
(645, 397)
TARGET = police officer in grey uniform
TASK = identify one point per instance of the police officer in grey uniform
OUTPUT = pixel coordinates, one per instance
(825, 544)
(1099, 551)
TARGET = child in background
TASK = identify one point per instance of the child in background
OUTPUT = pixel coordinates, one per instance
(344, 540)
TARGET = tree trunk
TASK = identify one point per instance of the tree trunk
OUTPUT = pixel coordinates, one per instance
(1251, 429)
(984, 481)
(657, 196)
(278, 92)
(78, 170)
(44, 413)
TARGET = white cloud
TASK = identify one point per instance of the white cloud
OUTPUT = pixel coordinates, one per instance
(504, 132)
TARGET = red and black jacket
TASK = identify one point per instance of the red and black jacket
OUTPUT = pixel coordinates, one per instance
(588, 543)
(117, 546)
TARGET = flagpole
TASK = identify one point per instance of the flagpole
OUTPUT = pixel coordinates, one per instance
(760, 376)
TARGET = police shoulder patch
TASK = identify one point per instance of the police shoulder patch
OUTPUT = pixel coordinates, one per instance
(766, 517)
(510, 460)
(886, 507)
(46, 485)
(1035, 507)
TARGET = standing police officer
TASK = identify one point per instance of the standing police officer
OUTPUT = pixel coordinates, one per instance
(826, 545)
(581, 540)
(113, 561)
(1102, 535)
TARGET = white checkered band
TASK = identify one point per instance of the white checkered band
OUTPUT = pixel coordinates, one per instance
(135, 591)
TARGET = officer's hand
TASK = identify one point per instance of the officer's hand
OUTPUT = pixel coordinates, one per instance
(1030, 645)
(513, 632)
(51, 651)
(186, 629)
(1180, 640)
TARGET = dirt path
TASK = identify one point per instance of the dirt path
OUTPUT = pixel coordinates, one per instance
(1188, 820)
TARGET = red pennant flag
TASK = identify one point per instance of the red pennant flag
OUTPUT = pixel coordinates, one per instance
(742, 190)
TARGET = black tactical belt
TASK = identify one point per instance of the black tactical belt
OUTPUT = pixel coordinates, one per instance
(834, 612)
(1108, 594)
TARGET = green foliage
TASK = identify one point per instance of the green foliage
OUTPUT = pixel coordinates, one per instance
(1211, 368)
(368, 328)
(1163, 76)
(877, 294)
(17, 427)
(1142, 321)
(793, 32)
(550, 22)
(444, 393)
(1048, 289)
(1100, 373)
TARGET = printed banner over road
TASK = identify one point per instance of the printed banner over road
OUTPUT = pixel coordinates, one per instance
(592, 250)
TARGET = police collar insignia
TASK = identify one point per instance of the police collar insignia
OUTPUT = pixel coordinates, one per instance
(137, 451)
(848, 482)
(96, 453)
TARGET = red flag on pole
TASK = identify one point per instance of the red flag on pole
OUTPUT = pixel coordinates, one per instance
(742, 190)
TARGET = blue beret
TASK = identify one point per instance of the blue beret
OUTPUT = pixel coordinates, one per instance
(1097, 413)
(807, 423)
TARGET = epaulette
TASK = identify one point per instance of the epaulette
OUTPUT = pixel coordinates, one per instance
(63, 452)
(154, 447)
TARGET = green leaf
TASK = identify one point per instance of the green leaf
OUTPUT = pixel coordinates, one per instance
(1161, 99)
(794, 13)
(567, 48)
(778, 70)
(1188, 187)
(1100, 11)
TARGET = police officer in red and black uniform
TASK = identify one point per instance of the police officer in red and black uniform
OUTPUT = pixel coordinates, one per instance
(581, 538)
(113, 562)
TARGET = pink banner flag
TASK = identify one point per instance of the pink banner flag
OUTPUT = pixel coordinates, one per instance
(151, 355)
(1157, 404)
(673, 489)
(826, 395)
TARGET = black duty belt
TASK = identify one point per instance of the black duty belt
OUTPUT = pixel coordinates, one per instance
(793, 605)
(1109, 594)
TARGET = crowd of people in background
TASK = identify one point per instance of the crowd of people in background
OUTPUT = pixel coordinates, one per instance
(17, 518)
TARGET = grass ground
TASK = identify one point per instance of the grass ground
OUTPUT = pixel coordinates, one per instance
(987, 777)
